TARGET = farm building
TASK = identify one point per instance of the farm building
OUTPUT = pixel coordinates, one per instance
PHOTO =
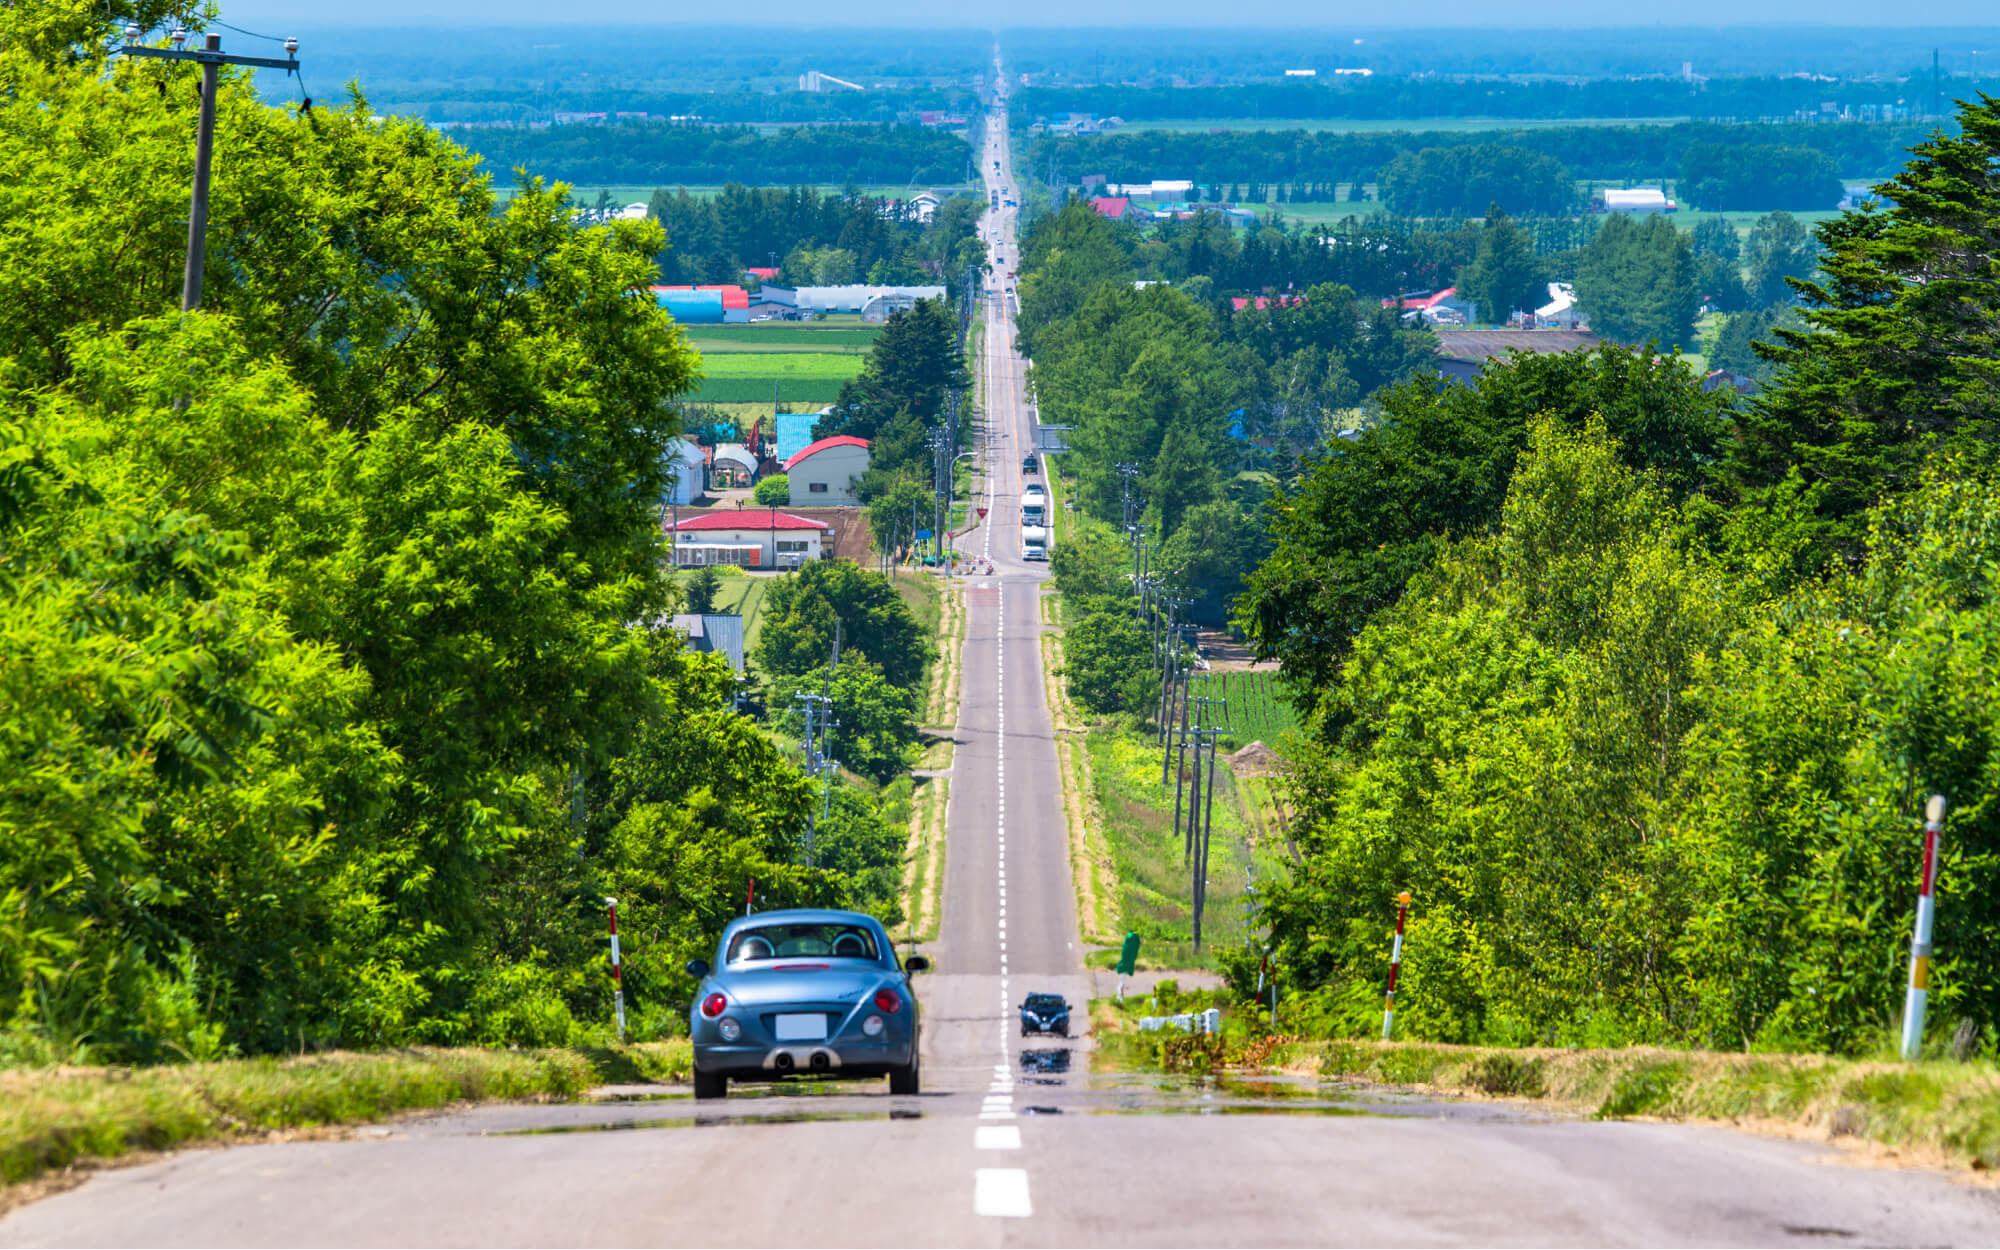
(851, 298)
(795, 431)
(760, 538)
(827, 472)
(732, 467)
(684, 463)
(719, 632)
(1635, 200)
(1434, 308)
(707, 304)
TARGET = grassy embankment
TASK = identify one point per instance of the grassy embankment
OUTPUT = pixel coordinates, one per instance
(53, 1118)
(942, 615)
(1936, 1111)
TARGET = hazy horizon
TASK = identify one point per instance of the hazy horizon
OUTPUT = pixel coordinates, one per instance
(1153, 15)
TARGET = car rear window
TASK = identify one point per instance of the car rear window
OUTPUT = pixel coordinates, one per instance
(1044, 1002)
(791, 941)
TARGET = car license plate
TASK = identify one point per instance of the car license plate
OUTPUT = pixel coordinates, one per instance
(810, 1028)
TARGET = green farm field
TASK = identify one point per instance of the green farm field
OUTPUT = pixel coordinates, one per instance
(787, 336)
(800, 377)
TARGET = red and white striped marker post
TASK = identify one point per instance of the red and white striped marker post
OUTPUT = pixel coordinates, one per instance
(1395, 964)
(750, 899)
(617, 967)
(1920, 941)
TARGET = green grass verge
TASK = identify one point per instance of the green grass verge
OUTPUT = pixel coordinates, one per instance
(1943, 1111)
(52, 1118)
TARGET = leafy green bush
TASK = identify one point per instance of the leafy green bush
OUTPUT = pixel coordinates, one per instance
(774, 491)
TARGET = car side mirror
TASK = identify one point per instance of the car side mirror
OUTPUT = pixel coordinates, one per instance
(697, 967)
(916, 963)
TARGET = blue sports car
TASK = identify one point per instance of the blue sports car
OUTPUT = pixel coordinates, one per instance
(804, 993)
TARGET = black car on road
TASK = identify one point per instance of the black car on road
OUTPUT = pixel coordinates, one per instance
(1030, 465)
(1045, 1013)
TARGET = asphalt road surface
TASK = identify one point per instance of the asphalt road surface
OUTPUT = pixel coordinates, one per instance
(1013, 1141)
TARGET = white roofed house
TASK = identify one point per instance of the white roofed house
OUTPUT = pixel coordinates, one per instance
(751, 538)
(826, 473)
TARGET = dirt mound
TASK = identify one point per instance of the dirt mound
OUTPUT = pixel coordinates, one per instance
(1254, 760)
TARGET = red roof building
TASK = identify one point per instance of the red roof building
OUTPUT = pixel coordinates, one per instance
(749, 538)
(733, 296)
(763, 273)
(1116, 207)
(748, 519)
(838, 440)
(1421, 303)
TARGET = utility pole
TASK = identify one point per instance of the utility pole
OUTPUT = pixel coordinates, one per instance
(212, 59)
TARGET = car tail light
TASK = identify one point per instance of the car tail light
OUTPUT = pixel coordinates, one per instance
(888, 1000)
(729, 1029)
(712, 1005)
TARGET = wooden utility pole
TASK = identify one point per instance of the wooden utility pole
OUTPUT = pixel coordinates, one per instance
(212, 59)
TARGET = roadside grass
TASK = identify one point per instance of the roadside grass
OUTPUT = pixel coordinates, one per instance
(1093, 874)
(1155, 890)
(1940, 1111)
(940, 708)
(923, 863)
(52, 1118)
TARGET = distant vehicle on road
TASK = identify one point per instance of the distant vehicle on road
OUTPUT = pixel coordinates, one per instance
(1034, 505)
(1045, 1013)
(1034, 543)
(1030, 465)
(804, 993)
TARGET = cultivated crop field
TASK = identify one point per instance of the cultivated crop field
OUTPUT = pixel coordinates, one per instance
(783, 337)
(747, 377)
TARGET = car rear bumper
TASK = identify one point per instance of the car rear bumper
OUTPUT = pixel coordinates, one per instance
(836, 1058)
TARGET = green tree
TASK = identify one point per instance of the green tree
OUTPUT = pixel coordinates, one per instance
(774, 491)
(1505, 275)
(1636, 280)
(1372, 512)
(799, 614)
(875, 730)
(1108, 660)
(1888, 371)
(702, 586)
(1779, 252)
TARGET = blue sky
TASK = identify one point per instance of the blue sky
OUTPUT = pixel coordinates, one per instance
(1149, 13)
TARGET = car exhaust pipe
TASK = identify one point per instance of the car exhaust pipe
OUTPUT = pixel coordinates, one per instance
(819, 1061)
(784, 1061)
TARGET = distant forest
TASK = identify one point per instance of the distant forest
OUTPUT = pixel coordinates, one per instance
(520, 102)
(660, 154)
(1410, 96)
(1606, 153)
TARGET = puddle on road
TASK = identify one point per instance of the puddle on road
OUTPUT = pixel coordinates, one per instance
(705, 1119)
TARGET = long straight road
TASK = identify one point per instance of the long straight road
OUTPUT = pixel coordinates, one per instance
(1012, 1144)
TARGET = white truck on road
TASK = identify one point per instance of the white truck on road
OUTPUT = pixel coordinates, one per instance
(1034, 543)
(1034, 505)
